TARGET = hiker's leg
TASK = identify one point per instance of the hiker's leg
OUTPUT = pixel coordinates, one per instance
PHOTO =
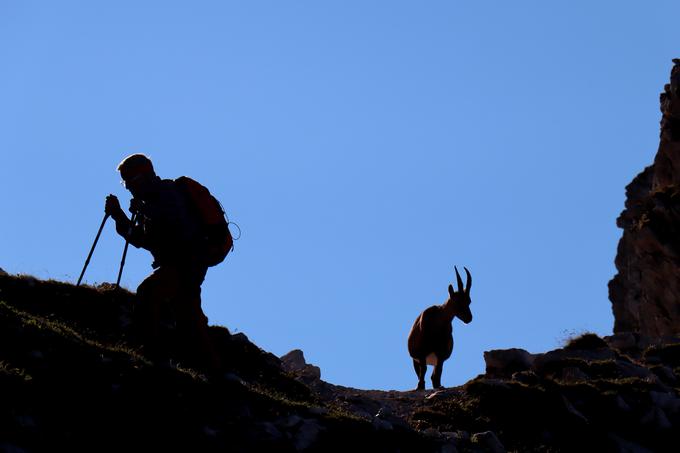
(194, 323)
(153, 295)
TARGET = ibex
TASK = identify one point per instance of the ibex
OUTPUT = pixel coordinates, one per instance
(430, 341)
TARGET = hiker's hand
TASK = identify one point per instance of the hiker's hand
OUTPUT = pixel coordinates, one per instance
(136, 205)
(112, 207)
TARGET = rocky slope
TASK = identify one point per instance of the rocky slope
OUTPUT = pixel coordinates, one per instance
(614, 394)
(644, 293)
(70, 379)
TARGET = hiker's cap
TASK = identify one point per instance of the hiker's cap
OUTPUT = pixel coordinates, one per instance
(135, 165)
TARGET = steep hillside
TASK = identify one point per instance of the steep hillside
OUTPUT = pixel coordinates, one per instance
(69, 381)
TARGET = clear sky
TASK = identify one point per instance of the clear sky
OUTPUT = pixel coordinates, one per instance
(364, 147)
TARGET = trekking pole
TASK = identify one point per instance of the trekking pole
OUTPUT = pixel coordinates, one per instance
(127, 243)
(96, 239)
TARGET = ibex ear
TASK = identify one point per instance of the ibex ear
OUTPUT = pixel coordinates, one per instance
(451, 293)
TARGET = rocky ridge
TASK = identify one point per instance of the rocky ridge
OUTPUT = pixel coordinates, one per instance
(70, 379)
(618, 393)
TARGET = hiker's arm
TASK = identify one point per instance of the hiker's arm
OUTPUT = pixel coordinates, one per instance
(133, 233)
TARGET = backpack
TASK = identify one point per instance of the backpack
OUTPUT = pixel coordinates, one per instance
(216, 234)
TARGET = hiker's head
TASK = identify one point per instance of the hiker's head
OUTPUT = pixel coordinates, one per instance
(138, 174)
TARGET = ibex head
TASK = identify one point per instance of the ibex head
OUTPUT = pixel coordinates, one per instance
(459, 301)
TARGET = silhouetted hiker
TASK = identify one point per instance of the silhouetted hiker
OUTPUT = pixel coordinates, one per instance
(169, 225)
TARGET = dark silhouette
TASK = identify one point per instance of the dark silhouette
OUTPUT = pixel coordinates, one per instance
(169, 226)
(430, 341)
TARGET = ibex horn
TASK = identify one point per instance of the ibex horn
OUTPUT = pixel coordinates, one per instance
(458, 279)
(469, 281)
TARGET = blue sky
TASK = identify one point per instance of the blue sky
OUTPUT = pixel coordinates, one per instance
(365, 148)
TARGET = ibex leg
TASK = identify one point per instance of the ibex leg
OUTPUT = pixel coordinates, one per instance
(437, 374)
(421, 368)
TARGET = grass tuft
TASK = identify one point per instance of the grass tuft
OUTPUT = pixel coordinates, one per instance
(9, 370)
(585, 341)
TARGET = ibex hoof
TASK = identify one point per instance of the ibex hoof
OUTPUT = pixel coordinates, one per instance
(421, 386)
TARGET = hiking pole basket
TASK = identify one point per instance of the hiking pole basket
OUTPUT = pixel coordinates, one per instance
(96, 239)
(127, 243)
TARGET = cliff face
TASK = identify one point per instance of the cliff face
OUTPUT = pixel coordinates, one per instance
(645, 294)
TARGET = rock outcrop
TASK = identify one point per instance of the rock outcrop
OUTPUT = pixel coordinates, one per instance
(294, 362)
(645, 294)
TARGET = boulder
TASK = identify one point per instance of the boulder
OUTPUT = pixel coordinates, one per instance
(505, 362)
